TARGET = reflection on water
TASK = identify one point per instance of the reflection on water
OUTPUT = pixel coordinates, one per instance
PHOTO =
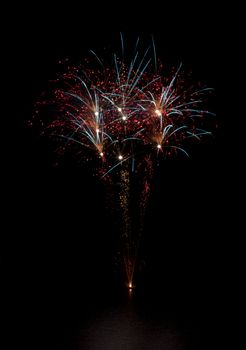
(116, 320)
(130, 324)
(99, 319)
(123, 328)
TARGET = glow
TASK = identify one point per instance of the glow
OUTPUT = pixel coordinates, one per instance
(119, 109)
(124, 117)
(158, 112)
(97, 130)
(120, 157)
(96, 114)
(101, 154)
(130, 285)
(159, 146)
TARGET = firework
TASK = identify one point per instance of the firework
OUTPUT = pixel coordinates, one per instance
(126, 116)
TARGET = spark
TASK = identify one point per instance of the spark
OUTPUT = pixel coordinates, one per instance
(158, 112)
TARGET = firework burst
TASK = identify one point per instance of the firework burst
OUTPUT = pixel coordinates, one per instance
(127, 116)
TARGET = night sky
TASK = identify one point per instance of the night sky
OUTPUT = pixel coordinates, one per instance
(60, 238)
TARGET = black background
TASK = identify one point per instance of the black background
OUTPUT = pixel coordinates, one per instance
(59, 243)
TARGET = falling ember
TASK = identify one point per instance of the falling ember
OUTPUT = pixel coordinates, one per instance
(89, 103)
